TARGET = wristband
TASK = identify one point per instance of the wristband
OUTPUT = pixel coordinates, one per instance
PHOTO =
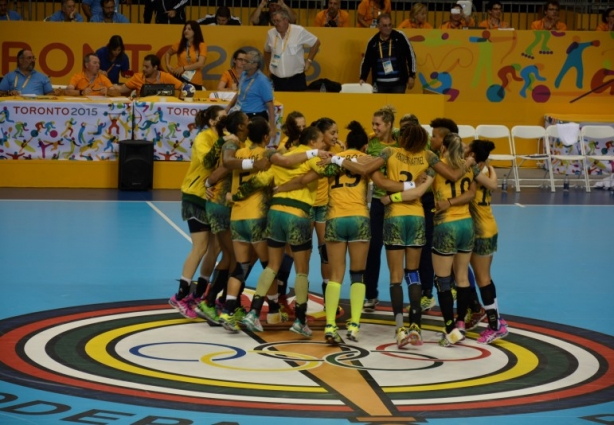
(337, 160)
(309, 60)
(247, 164)
(408, 185)
(312, 153)
(396, 197)
(207, 184)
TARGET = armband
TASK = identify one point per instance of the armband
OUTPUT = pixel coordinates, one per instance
(247, 164)
(408, 185)
(207, 184)
(337, 160)
(312, 153)
(396, 197)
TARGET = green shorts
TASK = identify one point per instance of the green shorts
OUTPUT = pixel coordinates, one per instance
(251, 231)
(485, 246)
(318, 214)
(218, 217)
(406, 230)
(286, 228)
(454, 236)
(348, 229)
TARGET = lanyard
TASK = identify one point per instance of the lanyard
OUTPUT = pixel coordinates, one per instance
(286, 38)
(187, 51)
(157, 78)
(381, 54)
(246, 89)
(24, 83)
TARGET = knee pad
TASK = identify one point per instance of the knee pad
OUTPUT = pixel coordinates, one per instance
(264, 264)
(323, 254)
(285, 269)
(240, 271)
(357, 276)
(443, 284)
(412, 277)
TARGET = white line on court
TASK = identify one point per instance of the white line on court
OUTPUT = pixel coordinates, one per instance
(169, 221)
(519, 205)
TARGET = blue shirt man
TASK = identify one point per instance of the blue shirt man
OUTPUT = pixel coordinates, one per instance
(25, 79)
(92, 8)
(108, 14)
(67, 14)
(8, 15)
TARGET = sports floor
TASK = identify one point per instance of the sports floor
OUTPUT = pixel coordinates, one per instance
(87, 336)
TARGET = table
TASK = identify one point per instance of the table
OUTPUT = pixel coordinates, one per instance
(605, 147)
(63, 128)
(169, 123)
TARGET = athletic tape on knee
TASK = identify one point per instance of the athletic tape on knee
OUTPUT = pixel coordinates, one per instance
(412, 277)
(357, 276)
(443, 284)
(323, 254)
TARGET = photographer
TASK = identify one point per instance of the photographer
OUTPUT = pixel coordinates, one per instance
(261, 18)
(333, 16)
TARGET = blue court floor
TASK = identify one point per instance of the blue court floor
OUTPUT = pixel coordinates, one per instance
(86, 335)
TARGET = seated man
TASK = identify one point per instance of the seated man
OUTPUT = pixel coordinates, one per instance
(333, 16)
(494, 9)
(68, 13)
(92, 8)
(109, 15)
(25, 79)
(222, 17)
(550, 21)
(151, 75)
(261, 18)
(6, 14)
(90, 82)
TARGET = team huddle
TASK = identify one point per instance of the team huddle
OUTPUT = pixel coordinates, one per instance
(253, 203)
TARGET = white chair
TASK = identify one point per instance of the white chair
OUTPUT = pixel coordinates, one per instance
(567, 154)
(356, 88)
(466, 131)
(491, 132)
(428, 129)
(589, 134)
(533, 135)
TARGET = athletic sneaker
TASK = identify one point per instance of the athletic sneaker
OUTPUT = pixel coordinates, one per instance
(229, 322)
(298, 328)
(402, 337)
(415, 334)
(453, 290)
(427, 303)
(369, 305)
(276, 318)
(451, 338)
(184, 306)
(207, 313)
(473, 319)
(460, 325)
(353, 329)
(489, 335)
(252, 322)
(239, 314)
(331, 335)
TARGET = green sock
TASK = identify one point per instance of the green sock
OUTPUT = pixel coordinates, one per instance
(301, 288)
(333, 293)
(357, 297)
(264, 282)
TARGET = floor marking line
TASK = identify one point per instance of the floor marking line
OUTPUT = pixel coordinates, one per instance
(519, 205)
(169, 221)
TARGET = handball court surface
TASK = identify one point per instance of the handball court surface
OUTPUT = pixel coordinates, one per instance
(87, 335)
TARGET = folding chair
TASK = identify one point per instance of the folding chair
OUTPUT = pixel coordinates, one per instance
(589, 134)
(356, 88)
(490, 132)
(428, 129)
(525, 134)
(567, 154)
(466, 132)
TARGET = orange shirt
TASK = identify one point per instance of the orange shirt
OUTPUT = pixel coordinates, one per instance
(80, 81)
(414, 25)
(603, 27)
(540, 25)
(138, 79)
(486, 24)
(182, 59)
(230, 82)
(464, 23)
(368, 10)
(342, 19)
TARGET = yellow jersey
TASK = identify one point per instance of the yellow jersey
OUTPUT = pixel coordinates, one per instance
(445, 189)
(483, 219)
(257, 205)
(205, 155)
(347, 195)
(322, 192)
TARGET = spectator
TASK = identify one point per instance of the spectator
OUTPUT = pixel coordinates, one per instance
(417, 18)
(261, 18)
(151, 75)
(109, 15)
(333, 16)
(90, 81)
(230, 78)
(25, 79)
(457, 20)
(114, 60)
(607, 19)
(92, 8)
(390, 59)
(169, 11)
(68, 13)
(550, 21)
(494, 9)
(285, 55)
(191, 53)
(6, 14)
(255, 96)
(370, 10)
(222, 17)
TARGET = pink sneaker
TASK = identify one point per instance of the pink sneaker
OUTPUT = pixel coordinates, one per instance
(490, 335)
(185, 306)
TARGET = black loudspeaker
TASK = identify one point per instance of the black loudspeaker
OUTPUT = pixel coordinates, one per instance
(135, 165)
